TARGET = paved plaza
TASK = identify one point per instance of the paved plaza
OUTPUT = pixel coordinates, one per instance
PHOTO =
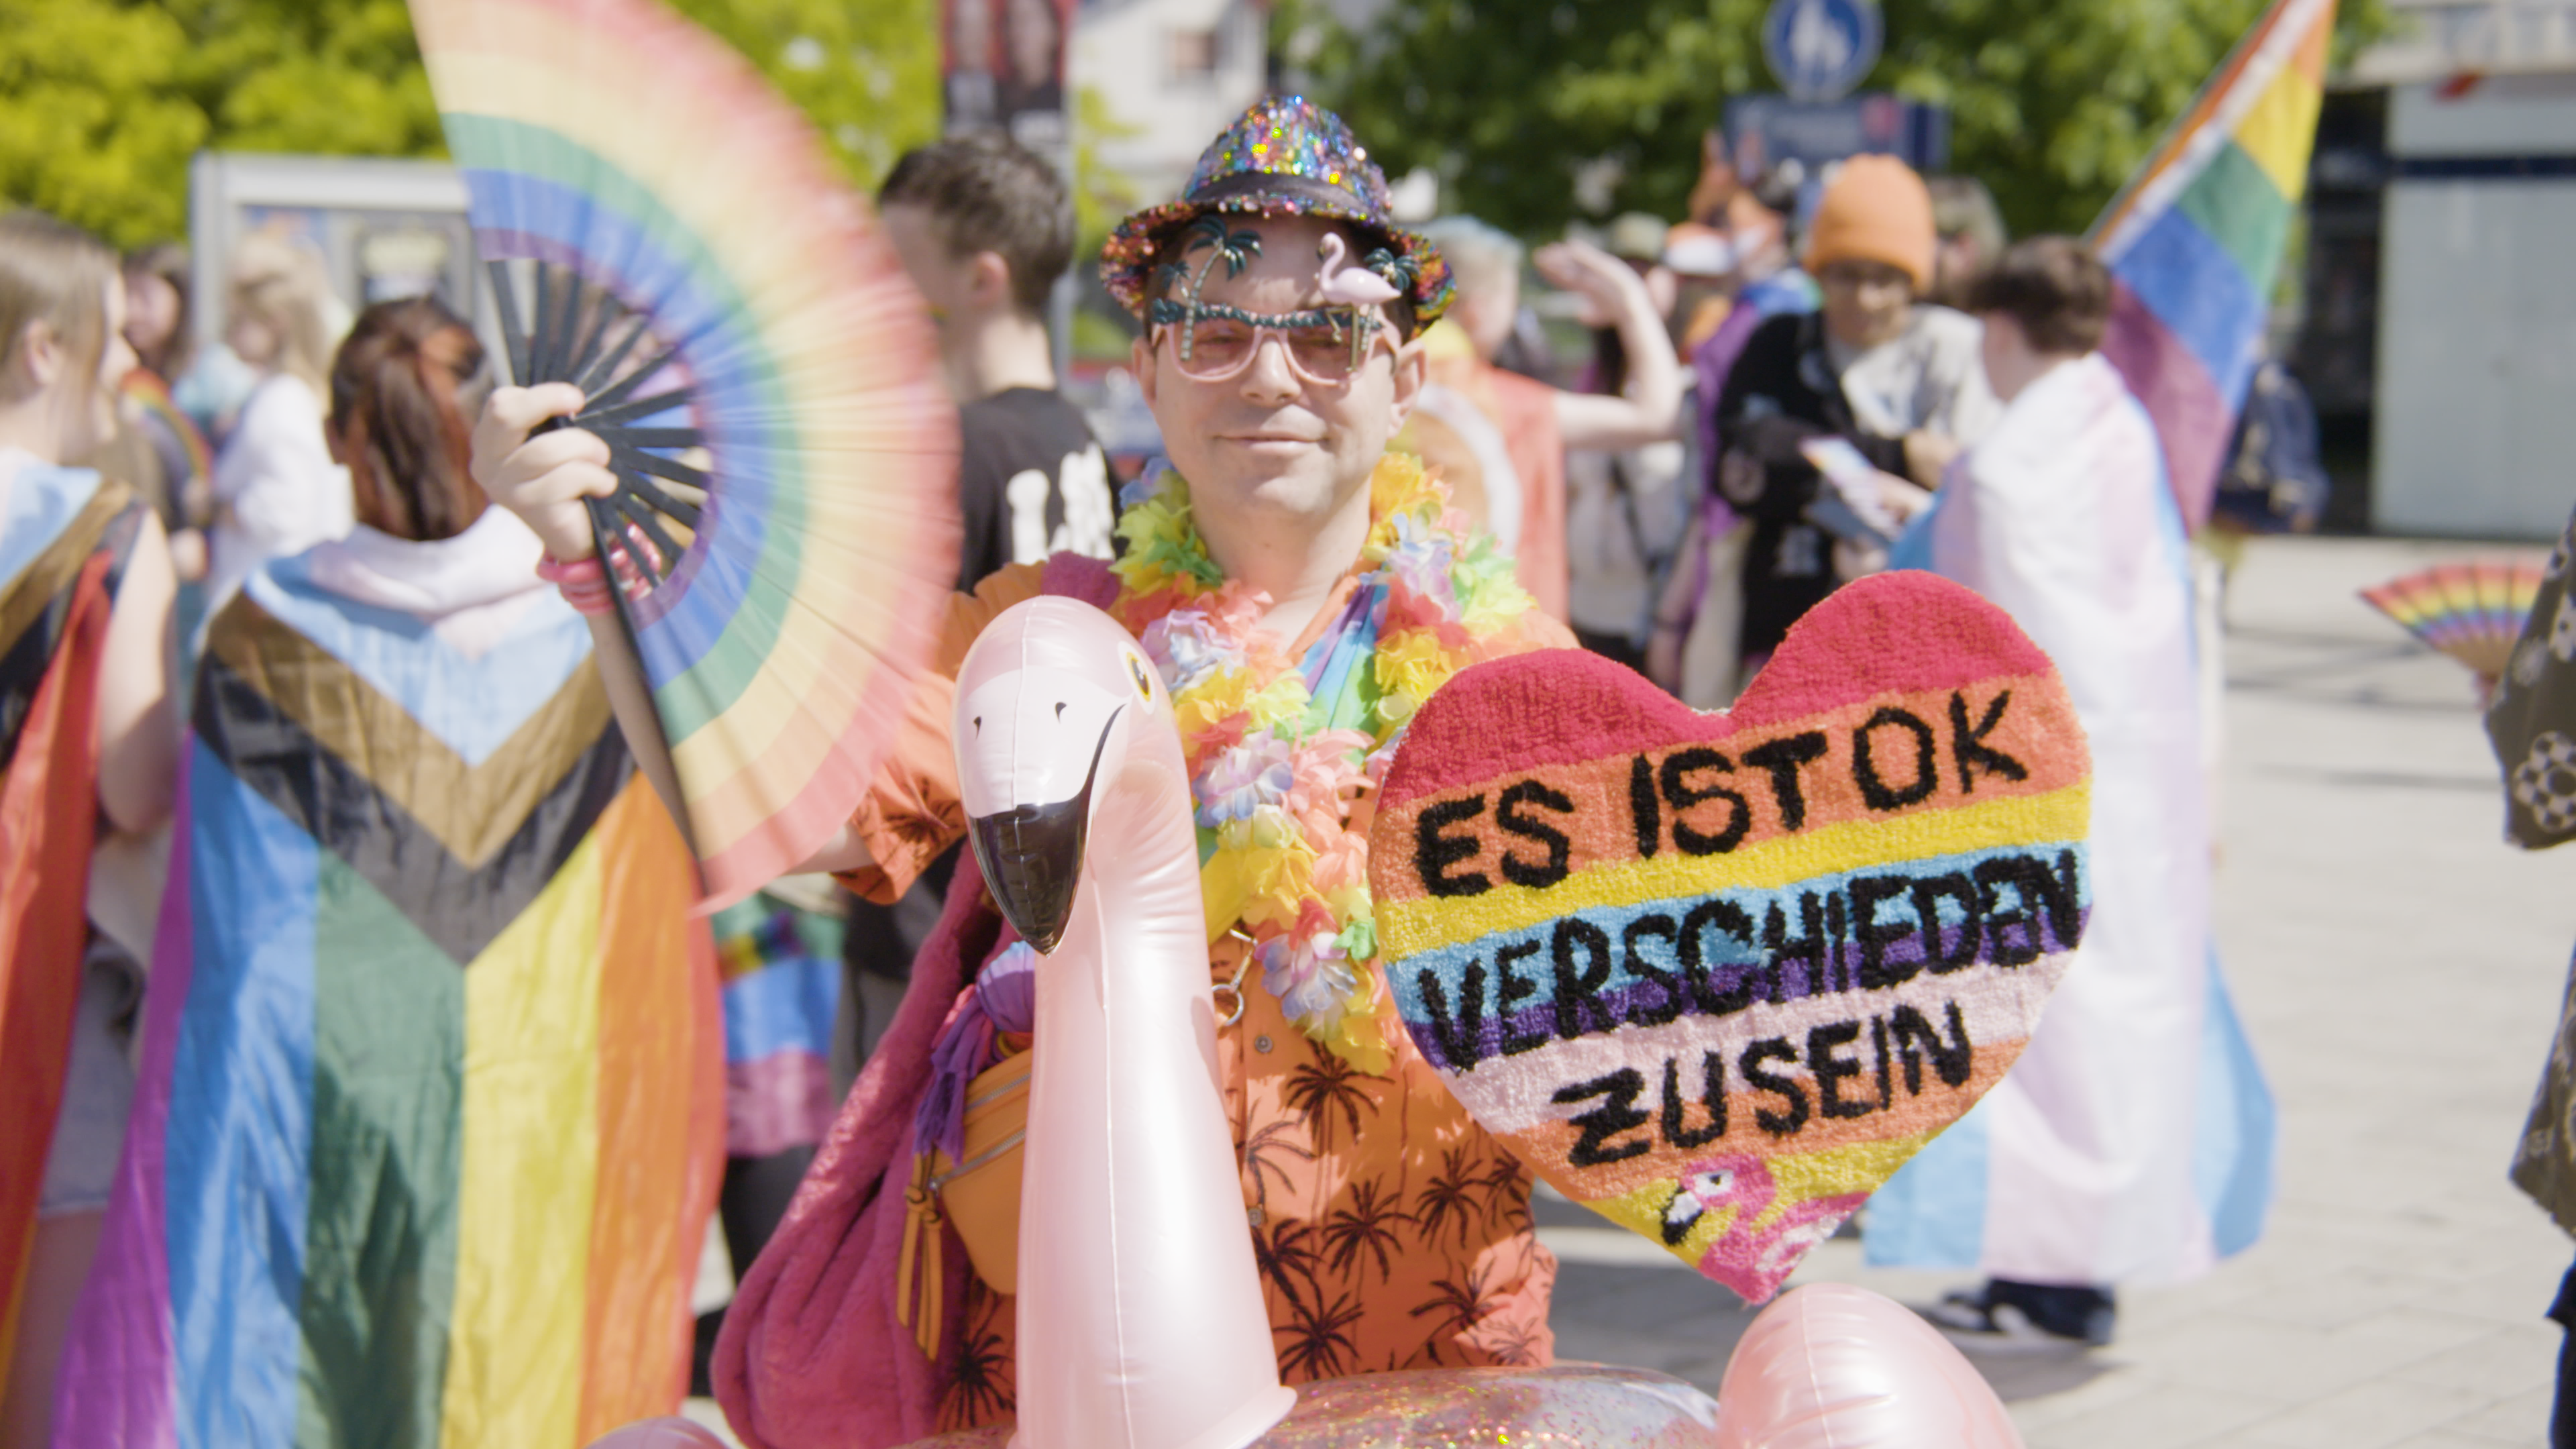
(2399, 969)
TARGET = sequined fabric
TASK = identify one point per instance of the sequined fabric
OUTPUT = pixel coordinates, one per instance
(1284, 156)
(1560, 1408)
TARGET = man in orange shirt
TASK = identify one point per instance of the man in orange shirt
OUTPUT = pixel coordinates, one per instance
(1298, 590)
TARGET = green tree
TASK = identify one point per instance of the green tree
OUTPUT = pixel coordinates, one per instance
(326, 77)
(2054, 105)
(2054, 102)
(107, 100)
(102, 102)
(90, 128)
(1101, 197)
(866, 72)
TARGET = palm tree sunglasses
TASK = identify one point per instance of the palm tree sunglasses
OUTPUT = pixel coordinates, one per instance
(1215, 342)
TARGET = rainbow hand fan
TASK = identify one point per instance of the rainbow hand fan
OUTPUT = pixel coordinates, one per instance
(666, 232)
(2471, 611)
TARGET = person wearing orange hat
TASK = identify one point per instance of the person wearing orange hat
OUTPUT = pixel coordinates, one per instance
(1894, 378)
(1693, 649)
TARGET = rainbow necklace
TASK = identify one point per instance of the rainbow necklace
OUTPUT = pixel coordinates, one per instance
(1286, 754)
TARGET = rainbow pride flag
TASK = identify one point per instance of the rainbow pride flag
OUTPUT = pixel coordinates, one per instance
(428, 1122)
(145, 388)
(2195, 241)
(781, 968)
(65, 537)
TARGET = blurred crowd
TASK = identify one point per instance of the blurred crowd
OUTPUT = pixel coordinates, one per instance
(1586, 422)
(1687, 436)
(1619, 431)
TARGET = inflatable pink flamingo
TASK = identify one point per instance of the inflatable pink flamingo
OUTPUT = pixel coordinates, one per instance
(1141, 1324)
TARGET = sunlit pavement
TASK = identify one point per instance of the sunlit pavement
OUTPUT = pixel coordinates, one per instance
(2399, 968)
(706, 1412)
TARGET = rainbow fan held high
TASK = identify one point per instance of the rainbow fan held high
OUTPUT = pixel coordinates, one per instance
(666, 232)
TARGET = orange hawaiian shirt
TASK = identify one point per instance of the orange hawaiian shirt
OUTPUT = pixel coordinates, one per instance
(1392, 1232)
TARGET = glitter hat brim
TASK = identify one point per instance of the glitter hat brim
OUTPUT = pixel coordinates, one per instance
(1127, 261)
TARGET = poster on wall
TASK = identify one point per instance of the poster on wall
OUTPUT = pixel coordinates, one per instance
(381, 229)
(1003, 68)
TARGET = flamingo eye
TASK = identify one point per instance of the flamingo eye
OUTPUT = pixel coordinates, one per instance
(1136, 672)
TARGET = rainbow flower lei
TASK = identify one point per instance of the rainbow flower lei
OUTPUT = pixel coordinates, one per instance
(1285, 754)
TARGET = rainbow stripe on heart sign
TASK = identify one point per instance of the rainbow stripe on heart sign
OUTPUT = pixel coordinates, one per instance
(1718, 976)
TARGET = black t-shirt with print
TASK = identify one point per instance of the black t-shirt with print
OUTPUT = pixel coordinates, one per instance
(1031, 481)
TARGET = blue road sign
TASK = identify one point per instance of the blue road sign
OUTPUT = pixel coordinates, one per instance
(1819, 50)
(1767, 130)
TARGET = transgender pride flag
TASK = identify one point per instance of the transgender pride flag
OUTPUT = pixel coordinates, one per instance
(2195, 241)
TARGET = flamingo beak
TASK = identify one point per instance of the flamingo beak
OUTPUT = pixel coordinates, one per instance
(1032, 856)
(1682, 1215)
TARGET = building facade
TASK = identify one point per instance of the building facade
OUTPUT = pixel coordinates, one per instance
(1169, 75)
(2474, 399)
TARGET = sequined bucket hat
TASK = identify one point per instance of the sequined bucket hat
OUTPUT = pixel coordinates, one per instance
(1284, 156)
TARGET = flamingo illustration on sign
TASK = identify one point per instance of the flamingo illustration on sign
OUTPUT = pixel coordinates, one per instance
(1756, 1248)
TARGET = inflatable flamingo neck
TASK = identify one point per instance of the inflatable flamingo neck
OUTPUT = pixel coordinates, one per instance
(1141, 1324)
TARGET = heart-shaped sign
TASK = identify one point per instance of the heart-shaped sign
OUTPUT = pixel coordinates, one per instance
(1716, 976)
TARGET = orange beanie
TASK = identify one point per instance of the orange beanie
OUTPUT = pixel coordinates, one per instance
(1876, 210)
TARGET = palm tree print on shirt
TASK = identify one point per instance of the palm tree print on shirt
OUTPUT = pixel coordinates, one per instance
(1331, 1094)
(983, 1390)
(1455, 1194)
(1318, 1342)
(1365, 1223)
(1455, 1308)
